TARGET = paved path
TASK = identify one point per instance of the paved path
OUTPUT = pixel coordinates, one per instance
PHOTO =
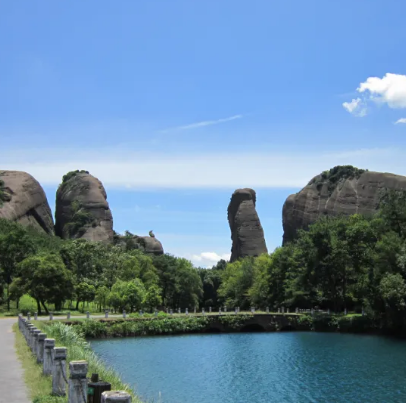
(12, 387)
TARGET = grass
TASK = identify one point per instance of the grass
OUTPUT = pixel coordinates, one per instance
(79, 349)
(39, 386)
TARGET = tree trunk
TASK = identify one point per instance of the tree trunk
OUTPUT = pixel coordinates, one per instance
(38, 306)
(46, 309)
(8, 297)
(77, 304)
(18, 302)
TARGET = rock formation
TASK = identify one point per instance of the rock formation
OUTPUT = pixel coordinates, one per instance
(246, 230)
(23, 200)
(341, 190)
(148, 244)
(82, 210)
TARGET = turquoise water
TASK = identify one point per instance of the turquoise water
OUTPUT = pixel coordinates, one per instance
(261, 367)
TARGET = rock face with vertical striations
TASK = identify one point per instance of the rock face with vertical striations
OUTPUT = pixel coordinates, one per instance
(147, 244)
(246, 230)
(82, 210)
(343, 190)
(23, 200)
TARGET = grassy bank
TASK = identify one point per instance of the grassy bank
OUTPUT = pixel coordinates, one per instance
(39, 386)
(78, 349)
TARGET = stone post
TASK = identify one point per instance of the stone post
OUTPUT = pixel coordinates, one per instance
(363, 312)
(31, 336)
(28, 315)
(328, 311)
(40, 347)
(35, 342)
(238, 309)
(77, 387)
(170, 312)
(252, 310)
(235, 310)
(267, 309)
(203, 312)
(35, 315)
(194, 311)
(59, 371)
(283, 309)
(106, 313)
(115, 396)
(345, 311)
(87, 315)
(210, 309)
(287, 310)
(312, 311)
(297, 310)
(179, 310)
(49, 345)
(51, 315)
(68, 315)
(279, 310)
(187, 311)
(124, 314)
(220, 311)
(156, 313)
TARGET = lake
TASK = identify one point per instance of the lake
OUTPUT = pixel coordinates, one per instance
(260, 367)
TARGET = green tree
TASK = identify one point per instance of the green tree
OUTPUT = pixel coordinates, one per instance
(15, 246)
(84, 292)
(153, 297)
(46, 279)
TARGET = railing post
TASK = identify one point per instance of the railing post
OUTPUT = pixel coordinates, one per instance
(116, 396)
(35, 342)
(106, 313)
(49, 344)
(31, 336)
(77, 389)
(187, 311)
(267, 309)
(87, 315)
(124, 314)
(58, 371)
(35, 315)
(68, 315)
(40, 347)
(209, 309)
(194, 310)
(28, 315)
(51, 315)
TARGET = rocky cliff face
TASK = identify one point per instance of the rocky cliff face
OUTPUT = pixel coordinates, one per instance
(246, 230)
(342, 190)
(23, 200)
(82, 210)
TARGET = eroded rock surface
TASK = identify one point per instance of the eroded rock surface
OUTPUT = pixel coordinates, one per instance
(352, 191)
(24, 201)
(148, 244)
(247, 233)
(82, 210)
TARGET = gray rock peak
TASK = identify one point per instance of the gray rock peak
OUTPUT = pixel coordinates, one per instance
(247, 234)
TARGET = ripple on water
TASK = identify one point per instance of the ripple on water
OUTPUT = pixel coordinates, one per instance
(261, 367)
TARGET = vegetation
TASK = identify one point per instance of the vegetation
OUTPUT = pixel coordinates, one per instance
(72, 174)
(3, 193)
(354, 263)
(336, 174)
(80, 219)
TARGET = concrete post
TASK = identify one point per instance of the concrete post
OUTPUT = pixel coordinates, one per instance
(210, 309)
(156, 313)
(35, 342)
(31, 336)
(194, 311)
(220, 311)
(77, 388)
(40, 347)
(312, 311)
(287, 310)
(179, 310)
(297, 310)
(235, 311)
(225, 308)
(59, 371)
(106, 313)
(51, 315)
(124, 314)
(252, 310)
(35, 315)
(170, 312)
(345, 311)
(68, 315)
(28, 315)
(49, 344)
(283, 309)
(115, 396)
(187, 311)
(328, 311)
(363, 312)
(267, 309)
(203, 312)
(87, 315)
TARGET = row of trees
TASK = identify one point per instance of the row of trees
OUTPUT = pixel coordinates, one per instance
(338, 263)
(53, 271)
(343, 262)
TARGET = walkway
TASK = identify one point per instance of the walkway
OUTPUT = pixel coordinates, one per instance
(12, 387)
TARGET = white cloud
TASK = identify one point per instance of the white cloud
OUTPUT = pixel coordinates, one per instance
(143, 170)
(202, 124)
(356, 107)
(208, 259)
(402, 120)
(389, 90)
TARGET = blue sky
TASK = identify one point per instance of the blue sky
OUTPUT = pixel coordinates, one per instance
(175, 104)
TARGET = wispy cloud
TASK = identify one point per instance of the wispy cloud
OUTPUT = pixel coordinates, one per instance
(187, 170)
(202, 124)
(400, 121)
